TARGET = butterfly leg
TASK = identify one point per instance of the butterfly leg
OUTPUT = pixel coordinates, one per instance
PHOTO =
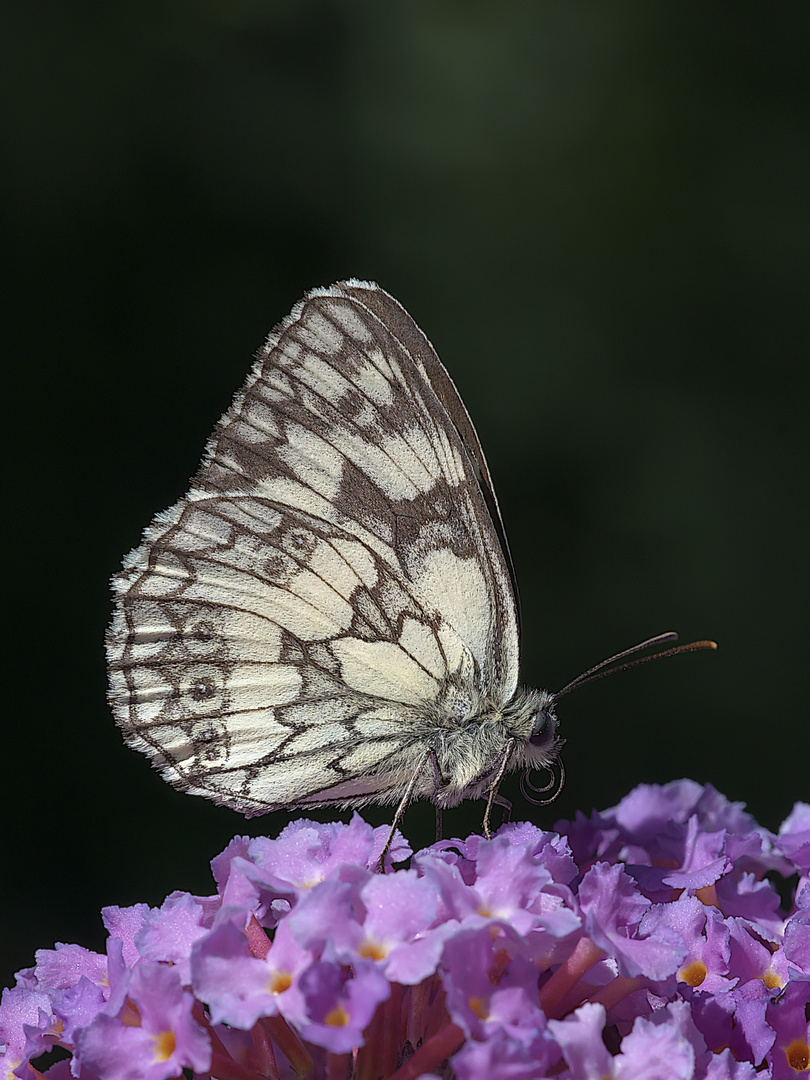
(492, 792)
(496, 800)
(437, 779)
(403, 806)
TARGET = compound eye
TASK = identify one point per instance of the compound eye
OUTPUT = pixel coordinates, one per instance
(540, 731)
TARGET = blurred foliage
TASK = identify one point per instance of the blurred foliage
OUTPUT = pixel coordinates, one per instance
(599, 215)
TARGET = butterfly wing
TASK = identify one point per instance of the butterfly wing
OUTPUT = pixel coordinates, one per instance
(285, 630)
(392, 314)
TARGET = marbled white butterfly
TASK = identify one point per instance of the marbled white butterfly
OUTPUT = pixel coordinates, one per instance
(330, 614)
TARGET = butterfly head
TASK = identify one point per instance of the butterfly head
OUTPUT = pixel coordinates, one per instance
(532, 722)
(544, 727)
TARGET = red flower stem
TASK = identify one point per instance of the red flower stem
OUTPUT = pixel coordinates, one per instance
(431, 1053)
(392, 1028)
(368, 1064)
(273, 1028)
(200, 1015)
(581, 993)
(569, 972)
(617, 990)
(289, 1044)
(337, 1066)
(263, 1055)
(258, 941)
(424, 1013)
(415, 1003)
(378, 1055)
(436, 1015)
(223, 1067)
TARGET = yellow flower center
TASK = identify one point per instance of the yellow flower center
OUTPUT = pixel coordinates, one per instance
(337, 1017)
(164, 1045)
(372, 950)
(693, 974)
(129, 1015)
(280, 981)
(707, 895)
(478, 1006)
(798, 1055)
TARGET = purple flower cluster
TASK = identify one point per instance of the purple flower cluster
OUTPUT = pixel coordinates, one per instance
(645, 942)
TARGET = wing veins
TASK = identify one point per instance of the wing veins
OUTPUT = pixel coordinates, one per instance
(361, 434)
(406, 388)
(401, 389)
(333, 762)
(212, 560)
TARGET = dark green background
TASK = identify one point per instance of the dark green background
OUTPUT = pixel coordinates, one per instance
(599, 215)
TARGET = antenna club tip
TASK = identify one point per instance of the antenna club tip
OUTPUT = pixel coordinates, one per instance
(704, 645)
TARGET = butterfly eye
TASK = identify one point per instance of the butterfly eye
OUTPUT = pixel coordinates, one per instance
(542, 730)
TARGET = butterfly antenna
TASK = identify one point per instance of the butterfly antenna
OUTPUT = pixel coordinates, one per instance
(610, 666)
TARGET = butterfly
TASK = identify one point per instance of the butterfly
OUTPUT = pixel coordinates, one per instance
(330, 614)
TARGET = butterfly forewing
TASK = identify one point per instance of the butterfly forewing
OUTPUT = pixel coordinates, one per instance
(284, 633)
(424, 355)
